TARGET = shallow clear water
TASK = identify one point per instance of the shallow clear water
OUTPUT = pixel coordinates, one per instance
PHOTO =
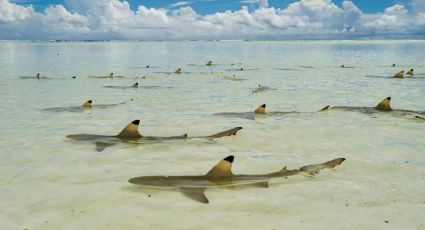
(50, 182)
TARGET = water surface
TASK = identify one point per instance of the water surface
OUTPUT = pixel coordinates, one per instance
(50, 182)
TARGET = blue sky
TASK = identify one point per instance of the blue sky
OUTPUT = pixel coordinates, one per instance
(211, 6)
(212, 19)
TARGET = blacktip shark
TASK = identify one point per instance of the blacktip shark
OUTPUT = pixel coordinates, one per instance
(346, 67)
(221, 176)
(134, 86)
(109, 76)
(383, 107)
(37, 77)
(258, 112)
(241, 69)
(399, 75)
(85, 106)
(234, 78)
(130, 134)
(261, 88)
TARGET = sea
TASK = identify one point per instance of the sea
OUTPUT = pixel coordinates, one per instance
(48, 181)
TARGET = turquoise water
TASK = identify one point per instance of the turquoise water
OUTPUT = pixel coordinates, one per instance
(51, 182)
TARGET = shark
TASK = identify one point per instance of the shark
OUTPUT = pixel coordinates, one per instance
(221, 176)
(383, 107)
(85, 106)
(130, 134)
(258, 112)
(37, 77)
(134, 86)
(109, 76)
(262, 88)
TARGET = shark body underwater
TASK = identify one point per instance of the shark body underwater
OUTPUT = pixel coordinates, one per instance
(383, 107)
(130, 134)
(221, 176)
(85, 106)
(261, 88)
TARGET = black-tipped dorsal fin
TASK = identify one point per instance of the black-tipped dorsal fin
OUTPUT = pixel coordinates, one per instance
(325, 108)
(87, 103)
(223, 167)
(399, 74)
(261, 109)
(131, 130)
(384, 105)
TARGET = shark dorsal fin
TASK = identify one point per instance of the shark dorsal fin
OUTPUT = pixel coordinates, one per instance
(261, 109)
(399, 74)
(325, 108)
(384, 105)
(87, 104)
(223, 167)
(131, 130)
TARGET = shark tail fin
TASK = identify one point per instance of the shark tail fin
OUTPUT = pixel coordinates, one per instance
(230, 132)
(384, 105)
(131, 130)
(261, 109)
(223, 167)
(315, 168)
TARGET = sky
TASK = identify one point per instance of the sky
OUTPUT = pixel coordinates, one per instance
(211, 19)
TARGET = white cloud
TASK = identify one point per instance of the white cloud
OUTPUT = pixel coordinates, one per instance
(114, 19)
(418, 5)
(10, 12)
(177, 4)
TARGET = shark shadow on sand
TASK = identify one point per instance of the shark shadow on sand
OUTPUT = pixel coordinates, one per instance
(221, 176)
(130, 134)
